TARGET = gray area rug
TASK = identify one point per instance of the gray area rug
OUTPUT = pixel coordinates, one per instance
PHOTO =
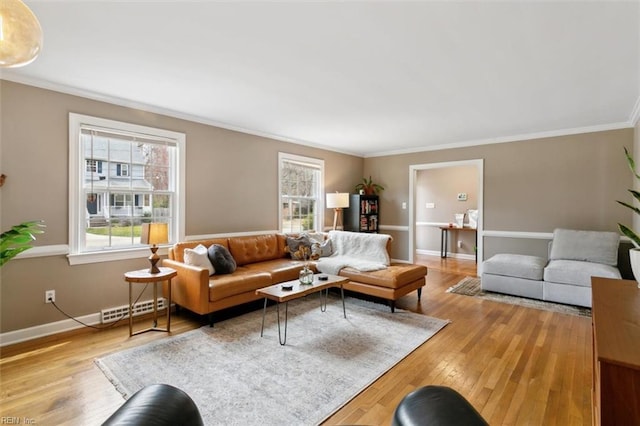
(470, 286)
(238, 378)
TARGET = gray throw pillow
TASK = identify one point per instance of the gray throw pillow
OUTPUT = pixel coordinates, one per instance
(221, 259)
(323, 249)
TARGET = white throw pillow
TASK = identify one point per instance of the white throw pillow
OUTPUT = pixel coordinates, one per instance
(197, 256)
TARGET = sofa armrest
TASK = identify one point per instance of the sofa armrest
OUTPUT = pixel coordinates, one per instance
(190, 288)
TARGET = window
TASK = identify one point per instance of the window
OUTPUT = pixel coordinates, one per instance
(122, 169)
(94, 166)
(301, 188)
(121, 175)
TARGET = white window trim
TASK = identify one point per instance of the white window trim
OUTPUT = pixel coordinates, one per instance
(283, 156)
(76, 176)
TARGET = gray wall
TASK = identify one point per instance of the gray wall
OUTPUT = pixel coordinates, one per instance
(529, 186)
(231, 180)
(534, 185)
(440, 186)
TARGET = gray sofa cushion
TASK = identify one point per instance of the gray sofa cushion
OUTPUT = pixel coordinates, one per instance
(588, 246)
(577, 273)
(515, 265)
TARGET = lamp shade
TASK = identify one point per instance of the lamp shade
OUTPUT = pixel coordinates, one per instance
(338, 200)
(154, 233)
(20, 34)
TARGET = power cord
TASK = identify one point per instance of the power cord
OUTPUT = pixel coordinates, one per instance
(93, 326)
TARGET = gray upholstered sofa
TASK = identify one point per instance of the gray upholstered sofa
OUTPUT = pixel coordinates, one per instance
(574, 257)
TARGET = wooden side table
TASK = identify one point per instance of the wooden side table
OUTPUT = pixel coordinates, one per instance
(143, 276)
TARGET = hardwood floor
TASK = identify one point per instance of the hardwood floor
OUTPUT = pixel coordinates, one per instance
(517, 366)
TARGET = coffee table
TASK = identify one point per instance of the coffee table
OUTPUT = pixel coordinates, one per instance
(298, 290)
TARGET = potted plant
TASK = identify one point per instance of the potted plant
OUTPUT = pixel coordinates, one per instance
(18, 239)
(634, 253)
(369, 187)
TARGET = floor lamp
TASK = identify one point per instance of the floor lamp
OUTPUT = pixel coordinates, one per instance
(337, 201)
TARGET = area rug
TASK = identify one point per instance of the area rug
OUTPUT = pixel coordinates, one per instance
(470, 286)
(237, 377)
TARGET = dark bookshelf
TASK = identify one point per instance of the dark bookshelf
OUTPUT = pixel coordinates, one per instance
(363, 214)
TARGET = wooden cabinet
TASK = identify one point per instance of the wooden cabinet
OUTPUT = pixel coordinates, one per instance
(363, 213)
(616, 352)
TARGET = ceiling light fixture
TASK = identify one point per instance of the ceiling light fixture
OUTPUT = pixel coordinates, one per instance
(20, 34)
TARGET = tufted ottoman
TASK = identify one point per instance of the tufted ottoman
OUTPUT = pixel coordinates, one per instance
(436, 405)
(516, 274)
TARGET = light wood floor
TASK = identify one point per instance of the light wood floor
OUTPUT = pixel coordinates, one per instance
(517, 366)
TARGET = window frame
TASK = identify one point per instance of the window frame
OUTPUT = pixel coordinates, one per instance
(77, 204)
(286, 157)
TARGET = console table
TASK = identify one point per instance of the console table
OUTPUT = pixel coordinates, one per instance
(444, 239)
(616, 351)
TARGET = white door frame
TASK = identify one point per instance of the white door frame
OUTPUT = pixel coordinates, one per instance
(413, 172)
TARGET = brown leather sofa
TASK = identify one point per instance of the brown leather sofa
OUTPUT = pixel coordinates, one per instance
(262, 260)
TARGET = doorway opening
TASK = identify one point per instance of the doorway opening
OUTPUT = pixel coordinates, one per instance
(438, 191)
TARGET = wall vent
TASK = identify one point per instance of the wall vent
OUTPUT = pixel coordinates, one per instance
(140, 308)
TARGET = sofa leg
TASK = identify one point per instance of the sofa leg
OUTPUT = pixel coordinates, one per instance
(210, 316)
(392, 305)
(419, 293)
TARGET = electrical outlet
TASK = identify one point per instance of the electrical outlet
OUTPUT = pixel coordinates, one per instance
(49, 296)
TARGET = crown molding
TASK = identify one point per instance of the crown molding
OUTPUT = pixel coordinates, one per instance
(100, 97)
(88, 94)
(506, 139)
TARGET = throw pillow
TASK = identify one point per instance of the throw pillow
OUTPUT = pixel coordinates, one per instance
(323, 249)
(221, 259)
(197, 256)
(299, 247)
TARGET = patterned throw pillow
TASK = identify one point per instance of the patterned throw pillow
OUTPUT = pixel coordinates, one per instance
(299, 247)
(197, 256)
(221, 259)
(323, 249)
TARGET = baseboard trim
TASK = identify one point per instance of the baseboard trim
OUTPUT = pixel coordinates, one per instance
(22, 335)
(453, 255)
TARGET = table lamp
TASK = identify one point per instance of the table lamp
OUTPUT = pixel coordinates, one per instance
(154, 234)
(337, 202)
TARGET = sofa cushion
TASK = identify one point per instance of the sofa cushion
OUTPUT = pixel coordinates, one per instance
(243, 280)
(198, 256)
(577, 273)
(254, 248)
(221, 259)
(515, 265)
(396, 275)
(587, 246)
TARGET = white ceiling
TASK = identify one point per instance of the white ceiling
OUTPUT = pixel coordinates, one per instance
(359, 77)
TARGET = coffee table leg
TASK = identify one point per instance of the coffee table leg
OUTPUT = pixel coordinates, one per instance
(323, 300)
(286, 310)
(264, 311)
(344, 310)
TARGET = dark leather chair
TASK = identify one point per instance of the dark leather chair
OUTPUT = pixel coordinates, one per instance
(157, 405)
(436, 405)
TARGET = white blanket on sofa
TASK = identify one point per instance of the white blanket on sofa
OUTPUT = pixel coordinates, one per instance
(364, 252)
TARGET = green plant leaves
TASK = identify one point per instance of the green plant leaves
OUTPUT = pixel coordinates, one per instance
(624, 230)
(18, 239)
